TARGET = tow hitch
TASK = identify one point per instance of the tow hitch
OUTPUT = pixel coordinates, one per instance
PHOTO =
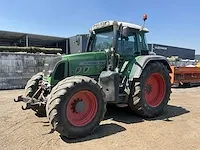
(37, 102)
(30, 103)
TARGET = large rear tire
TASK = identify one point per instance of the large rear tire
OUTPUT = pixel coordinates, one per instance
(75, 106)
(151, 93)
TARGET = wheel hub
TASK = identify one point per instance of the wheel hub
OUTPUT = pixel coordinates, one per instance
(81, 108)
(154, 89)
(148, 88)
(78, 106)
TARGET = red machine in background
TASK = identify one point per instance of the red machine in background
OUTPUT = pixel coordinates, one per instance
(184, 72)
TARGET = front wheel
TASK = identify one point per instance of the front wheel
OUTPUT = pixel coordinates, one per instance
(151, 93)
(76, 106)
(30, 89)
(32, 84)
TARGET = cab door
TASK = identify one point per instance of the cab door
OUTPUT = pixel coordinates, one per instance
(127, 49)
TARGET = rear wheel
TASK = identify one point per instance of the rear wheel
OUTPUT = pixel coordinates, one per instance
(76, 106)
(151, 93)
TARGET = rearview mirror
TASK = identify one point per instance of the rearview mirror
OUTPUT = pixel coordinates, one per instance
(125, 32)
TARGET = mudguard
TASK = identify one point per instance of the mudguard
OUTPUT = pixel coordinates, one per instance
(142, 61)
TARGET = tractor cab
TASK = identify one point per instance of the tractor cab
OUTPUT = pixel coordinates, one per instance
(125, 39)
(121, 41)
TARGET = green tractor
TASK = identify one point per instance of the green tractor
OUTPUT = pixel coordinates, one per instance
(116, 68)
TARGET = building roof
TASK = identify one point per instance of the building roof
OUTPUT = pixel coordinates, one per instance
(9, 38)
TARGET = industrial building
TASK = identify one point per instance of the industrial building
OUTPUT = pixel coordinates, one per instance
(168, 51)
(76, 43)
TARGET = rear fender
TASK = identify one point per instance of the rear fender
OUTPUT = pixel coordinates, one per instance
(141, 63)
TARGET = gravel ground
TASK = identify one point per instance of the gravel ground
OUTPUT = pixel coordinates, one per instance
(178, 128)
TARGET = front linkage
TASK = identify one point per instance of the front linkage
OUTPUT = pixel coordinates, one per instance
(37, 102)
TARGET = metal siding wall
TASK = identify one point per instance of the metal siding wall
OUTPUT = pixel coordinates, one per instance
(74, 47)
(84, 42)
(169, 51)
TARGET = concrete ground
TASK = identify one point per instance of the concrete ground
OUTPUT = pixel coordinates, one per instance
(178, 128)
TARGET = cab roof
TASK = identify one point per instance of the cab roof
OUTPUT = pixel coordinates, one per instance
(110, 23)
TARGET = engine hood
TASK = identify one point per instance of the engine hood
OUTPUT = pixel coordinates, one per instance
(88, 63)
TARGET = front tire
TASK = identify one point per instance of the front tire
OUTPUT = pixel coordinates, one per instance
(151, 93)
(31, 87)
(76, 106)
(32, 84)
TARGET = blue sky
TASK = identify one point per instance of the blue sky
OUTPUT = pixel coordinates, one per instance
(173, 22)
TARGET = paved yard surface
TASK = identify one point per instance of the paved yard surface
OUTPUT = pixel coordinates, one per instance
(178, 128)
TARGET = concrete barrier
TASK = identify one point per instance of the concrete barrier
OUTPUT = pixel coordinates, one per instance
(17, 68)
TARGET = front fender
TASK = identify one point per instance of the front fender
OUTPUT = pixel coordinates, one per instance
(142, 61)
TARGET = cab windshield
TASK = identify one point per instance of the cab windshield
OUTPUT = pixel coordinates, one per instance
(103, 41)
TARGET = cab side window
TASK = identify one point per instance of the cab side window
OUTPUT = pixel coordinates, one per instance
(127, 46)
(142, 42)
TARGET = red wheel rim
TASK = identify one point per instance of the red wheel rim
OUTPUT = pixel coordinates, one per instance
(155, 89)
(81, 108)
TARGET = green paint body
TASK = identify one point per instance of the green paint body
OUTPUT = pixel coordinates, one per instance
(88, 64)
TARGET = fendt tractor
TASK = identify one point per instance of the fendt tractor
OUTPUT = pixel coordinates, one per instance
(116, 68)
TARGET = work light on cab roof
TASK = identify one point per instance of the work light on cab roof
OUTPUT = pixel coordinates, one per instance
(108, 23)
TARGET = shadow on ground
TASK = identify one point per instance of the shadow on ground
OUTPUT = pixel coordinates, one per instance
(103, 131)
(186, 86)
(125, 116)
(171, 112)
